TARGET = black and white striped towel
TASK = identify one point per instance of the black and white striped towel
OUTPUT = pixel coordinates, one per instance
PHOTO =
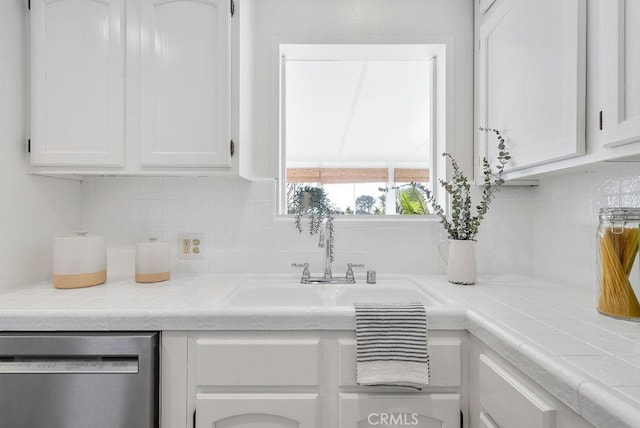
(391, 341)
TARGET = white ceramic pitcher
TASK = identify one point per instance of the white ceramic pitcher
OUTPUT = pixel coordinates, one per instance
(461, 261)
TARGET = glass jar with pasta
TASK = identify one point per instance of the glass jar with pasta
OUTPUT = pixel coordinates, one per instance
(618, 271)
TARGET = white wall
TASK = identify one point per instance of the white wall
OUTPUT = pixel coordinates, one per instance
(266, 23)
(34, 209)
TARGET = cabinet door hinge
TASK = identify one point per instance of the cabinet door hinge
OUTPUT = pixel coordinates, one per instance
(600, 119)
(232, 148)
(232, 7)
(29, 145)
(194, 419)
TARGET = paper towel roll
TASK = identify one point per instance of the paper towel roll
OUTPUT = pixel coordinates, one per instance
(79, 261)
(153, 261)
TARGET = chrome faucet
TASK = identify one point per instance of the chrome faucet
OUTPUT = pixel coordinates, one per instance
(324, 241)
(349, 277)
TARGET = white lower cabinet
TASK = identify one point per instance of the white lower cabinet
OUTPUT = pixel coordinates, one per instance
(525, 410)
(307, 379)
(304, 379)
(240, 410)
(502, 396)
(363, 410)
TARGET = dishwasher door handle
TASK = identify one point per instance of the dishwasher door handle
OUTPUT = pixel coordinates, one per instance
(69, 365)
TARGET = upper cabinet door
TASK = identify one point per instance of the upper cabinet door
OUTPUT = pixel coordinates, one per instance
(77, 82)
(619, 71)
(185, 83)
(532, 67)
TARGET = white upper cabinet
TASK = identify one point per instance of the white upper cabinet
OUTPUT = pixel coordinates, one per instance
(531, 80)
(619, 71)
(78, 82)
(184, 83)
(131, 87)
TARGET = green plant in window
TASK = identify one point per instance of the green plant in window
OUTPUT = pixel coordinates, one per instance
(313, 203)
(411, 201)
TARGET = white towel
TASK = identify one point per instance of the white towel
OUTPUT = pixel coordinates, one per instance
(391, 341)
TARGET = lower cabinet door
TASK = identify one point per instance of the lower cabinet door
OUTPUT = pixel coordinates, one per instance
(364, 410)
(256, 410)
(509, 402)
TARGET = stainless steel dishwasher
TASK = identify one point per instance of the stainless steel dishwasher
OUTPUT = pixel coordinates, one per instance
(79, 380)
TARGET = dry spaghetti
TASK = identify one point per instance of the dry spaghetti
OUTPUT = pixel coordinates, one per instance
(618, 250)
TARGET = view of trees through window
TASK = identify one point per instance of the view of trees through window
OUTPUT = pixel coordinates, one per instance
(369, 198)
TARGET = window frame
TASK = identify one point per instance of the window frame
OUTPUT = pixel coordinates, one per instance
(438, 119)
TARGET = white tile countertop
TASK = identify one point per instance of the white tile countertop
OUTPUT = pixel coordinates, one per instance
(554, 334)
(549, 331)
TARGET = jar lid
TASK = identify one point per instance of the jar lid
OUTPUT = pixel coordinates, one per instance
(620, 214)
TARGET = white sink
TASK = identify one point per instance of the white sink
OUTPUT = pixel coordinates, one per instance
(289, 292)
(380, 294)
(274, 295)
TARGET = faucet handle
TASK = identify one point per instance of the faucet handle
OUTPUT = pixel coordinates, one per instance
(305, 271)
(350, 267)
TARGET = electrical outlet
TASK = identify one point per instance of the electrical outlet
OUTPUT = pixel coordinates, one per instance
(191, 245)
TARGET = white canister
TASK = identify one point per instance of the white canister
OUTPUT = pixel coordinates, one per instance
(153, 261)
(79, 261)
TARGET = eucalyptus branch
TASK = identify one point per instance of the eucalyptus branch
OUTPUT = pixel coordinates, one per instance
(461, 224)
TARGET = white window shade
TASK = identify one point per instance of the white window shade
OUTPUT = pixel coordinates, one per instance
(362, 113)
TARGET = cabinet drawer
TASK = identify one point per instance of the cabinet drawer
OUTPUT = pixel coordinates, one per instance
(257, 362)
(444, 362)
(509, 402)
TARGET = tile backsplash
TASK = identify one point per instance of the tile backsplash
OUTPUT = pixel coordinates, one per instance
(243, 234)
(546, 230)
(565, 219)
